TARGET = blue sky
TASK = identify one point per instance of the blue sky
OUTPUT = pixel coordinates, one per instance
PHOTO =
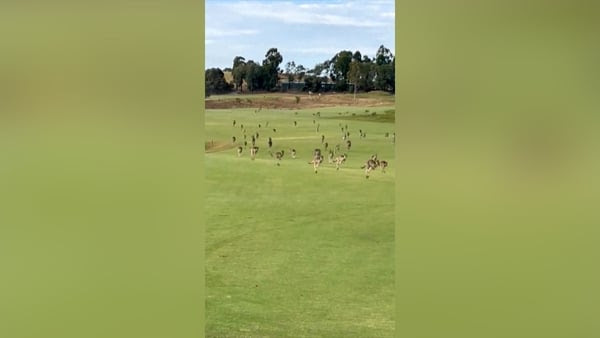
(306, 32)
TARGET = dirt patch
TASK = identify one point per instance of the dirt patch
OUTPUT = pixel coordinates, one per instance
(290, 101)
(213, 147)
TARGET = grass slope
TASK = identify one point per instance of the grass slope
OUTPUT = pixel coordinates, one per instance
(291, 253)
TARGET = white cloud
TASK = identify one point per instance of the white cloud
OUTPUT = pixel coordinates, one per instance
(330, 51)
(351, 14)
(310, 6)
(316, 50)
(306, 31)
(214, 32)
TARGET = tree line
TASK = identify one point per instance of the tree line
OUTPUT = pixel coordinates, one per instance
(346, 69)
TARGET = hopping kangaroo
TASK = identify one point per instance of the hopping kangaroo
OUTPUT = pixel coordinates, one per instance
(370, 165)
(340, 160)
(279, 156)
(253, 152)
(383, 165)
(317, 159)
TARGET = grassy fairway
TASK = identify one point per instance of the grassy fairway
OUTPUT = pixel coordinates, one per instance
(291, 253)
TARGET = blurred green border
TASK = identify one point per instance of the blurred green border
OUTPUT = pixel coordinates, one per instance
(101, 169)
(497, 178)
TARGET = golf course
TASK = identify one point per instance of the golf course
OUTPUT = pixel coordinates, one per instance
(291, 252)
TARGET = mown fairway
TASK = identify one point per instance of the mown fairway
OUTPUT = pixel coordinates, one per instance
(291, 253)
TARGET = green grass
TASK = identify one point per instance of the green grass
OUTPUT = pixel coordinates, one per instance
(373, 115)
(291, 253)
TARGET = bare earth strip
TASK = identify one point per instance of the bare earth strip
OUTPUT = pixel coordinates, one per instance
(289, 101)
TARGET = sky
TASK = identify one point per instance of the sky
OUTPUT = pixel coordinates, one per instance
(306, 32)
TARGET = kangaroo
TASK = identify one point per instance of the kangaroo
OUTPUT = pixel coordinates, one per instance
(279, 156)
(370, 165)
(330, 157)
(383, 165)
(317, 159)
(253, 152)
(239, 151)
(340, 160)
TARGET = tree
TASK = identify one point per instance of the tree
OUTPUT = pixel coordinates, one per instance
(384, 56)
(238, 72)
(215, 82)
(271, 68)
(238, 60)
(354, 75)
(253, 74)
(290, 70)
(357, 56)
(312, 83)
(300, 72)
(392, 78)
(320, 68)
(340, 67)
(385, 77)
(367, 75)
